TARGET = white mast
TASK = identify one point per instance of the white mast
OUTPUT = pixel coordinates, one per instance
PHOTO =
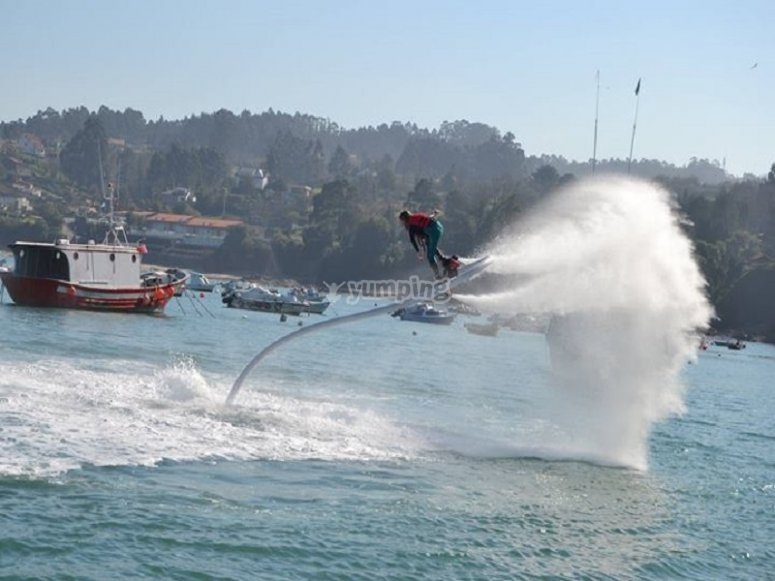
(597, 108)
(634, 124)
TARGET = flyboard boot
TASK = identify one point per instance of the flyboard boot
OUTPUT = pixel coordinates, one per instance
(450, 264)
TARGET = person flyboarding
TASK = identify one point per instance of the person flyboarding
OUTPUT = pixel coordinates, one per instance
(425, 231)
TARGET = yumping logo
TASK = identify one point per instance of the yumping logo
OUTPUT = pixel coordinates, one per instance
(400, 290)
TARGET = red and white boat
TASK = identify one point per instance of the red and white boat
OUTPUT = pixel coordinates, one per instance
(87, 276)
(103, 277)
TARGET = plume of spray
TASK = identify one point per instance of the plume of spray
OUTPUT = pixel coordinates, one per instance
(606, 260)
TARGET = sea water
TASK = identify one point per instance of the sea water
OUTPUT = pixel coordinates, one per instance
(379, 450)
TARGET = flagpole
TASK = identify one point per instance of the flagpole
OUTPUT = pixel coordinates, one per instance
(634, 125)
(597, 109)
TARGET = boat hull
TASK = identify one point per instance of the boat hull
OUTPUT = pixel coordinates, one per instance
(485, 330)
(279, 307)
(431, 320)
(41, 292)
(317, 307)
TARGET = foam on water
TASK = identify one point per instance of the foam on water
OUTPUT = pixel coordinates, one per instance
(60, 416)
(606, 259)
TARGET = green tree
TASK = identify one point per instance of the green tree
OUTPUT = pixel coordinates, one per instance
(84, 157)
(339, 166)
(546, 178)
(366, 254)
(333, 218)
(297, 160)
(423, 197)
(386, 176)
(725, 262)
(459, 221)
(202, 170)
(244, 251)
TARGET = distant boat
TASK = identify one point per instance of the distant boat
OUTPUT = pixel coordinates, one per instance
(486, 329)
(199, 282)
(257, 298)
(317, 303)
(425, 313)
(735, 344)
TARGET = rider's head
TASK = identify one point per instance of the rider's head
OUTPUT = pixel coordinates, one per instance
(404, 216)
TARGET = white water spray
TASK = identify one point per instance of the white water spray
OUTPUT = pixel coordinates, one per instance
(606, 259)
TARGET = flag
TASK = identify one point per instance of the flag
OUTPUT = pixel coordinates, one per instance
(637, 88)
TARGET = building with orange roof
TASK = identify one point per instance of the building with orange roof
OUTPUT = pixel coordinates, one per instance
(181, 229)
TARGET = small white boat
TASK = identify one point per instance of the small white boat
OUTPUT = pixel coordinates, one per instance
(317, 302)
(425, 313)
(258, 298)
(485, 329)
(199, 282)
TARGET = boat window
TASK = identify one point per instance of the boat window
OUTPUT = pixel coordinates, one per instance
(75, 256)
(134, 258)
(42, 262)
(113, 257)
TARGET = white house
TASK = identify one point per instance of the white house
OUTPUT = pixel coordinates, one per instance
(14, 202)
(31, 145)
(177, 195)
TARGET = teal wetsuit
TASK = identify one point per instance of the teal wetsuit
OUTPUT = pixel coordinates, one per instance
(434, 231)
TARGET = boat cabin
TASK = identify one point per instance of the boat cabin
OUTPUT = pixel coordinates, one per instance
(90, 263)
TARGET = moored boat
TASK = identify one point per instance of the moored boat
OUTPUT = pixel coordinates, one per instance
(102, 277)
(317, 302)
(86, 276)
(200, 283)
(258, 298)
(425, 313)
(486, 329)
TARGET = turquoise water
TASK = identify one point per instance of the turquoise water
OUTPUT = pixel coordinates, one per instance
(380, 450)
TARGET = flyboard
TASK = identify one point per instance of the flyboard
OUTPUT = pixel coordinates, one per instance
(466, 273)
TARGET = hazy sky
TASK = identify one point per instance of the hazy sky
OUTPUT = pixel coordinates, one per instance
(708, 67)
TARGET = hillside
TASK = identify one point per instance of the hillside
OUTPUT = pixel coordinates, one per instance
(318, 202)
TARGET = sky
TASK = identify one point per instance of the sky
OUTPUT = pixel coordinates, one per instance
(707, 67)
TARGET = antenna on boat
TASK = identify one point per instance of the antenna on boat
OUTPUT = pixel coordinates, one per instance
(115, 234)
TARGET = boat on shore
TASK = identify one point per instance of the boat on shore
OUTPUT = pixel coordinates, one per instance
(103, 276)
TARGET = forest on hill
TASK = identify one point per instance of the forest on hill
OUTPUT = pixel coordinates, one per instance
(319, 201)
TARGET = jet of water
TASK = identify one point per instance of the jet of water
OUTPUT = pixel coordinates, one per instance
(606, 260)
